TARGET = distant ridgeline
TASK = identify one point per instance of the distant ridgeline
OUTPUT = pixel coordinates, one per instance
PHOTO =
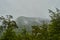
(27, 22)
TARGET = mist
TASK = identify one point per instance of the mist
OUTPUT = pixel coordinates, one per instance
(28, 8)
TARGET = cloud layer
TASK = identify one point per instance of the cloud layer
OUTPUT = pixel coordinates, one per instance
(29, 8)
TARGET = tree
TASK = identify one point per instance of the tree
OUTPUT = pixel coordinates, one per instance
(8, 22)
(24, 35)
(40, 32)
(9, 34)
(9, 26)
(54, 29)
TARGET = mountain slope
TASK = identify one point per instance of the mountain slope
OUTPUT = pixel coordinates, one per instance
(27, 22)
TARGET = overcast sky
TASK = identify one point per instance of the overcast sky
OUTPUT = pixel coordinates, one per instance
(29, 8)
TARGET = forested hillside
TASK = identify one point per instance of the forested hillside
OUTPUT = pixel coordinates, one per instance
(44, 31)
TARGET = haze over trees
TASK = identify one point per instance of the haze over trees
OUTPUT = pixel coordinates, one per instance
(44, 31)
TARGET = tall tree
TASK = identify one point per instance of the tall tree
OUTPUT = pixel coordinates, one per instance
(9, 26)
(54, 25)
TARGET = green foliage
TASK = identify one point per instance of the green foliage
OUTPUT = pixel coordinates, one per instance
(8, 31)
(40, 32)
(54, 31)
(24, 35)
(9, 34)
(43, 32)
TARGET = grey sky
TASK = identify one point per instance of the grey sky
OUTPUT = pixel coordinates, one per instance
(29, 8)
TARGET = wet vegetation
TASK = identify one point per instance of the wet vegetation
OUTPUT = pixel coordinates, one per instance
(46, 31)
